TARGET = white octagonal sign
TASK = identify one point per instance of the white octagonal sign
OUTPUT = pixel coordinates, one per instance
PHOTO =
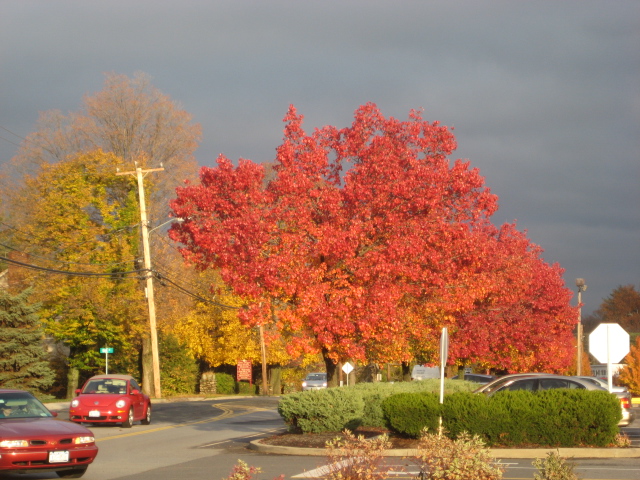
(609, 343)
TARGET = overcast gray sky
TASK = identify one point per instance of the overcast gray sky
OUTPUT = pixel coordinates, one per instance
(544, 95)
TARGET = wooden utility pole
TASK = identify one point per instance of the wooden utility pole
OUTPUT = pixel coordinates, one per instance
(155, 357)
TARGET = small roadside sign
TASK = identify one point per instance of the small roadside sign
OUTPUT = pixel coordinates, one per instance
(347, 368)
(106, 351)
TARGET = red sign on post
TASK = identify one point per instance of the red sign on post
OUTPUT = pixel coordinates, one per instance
(244, 370)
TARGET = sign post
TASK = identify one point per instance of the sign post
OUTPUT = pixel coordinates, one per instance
(244, 371)
(347, 368)
(444, 354)
(609, 343)
(106, 351)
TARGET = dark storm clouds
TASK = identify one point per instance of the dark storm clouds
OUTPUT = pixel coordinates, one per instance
(543, 95)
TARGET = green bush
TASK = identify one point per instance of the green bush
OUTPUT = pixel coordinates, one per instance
(178, 367)
(466, 412)
(371, 395)
(246, 388)
(225, 384)
(578, 417)
(513, 418)
(555, 418)
(411, 413)
(316, 411)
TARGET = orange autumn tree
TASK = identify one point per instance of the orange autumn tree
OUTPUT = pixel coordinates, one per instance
(525, 321)
(363, 242)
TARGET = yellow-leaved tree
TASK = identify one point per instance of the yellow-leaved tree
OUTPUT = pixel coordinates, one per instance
(630, 374)
(79, 227)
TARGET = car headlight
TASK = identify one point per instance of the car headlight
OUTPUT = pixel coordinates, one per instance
(75, 403)
(13, 443)
(120, 403)
(304, 384)
(81, 440)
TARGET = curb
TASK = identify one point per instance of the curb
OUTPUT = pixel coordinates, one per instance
(495, 452)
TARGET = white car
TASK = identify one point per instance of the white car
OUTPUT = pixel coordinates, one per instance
(314, 381)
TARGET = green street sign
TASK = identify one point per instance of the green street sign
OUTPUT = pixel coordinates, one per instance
(106, 350)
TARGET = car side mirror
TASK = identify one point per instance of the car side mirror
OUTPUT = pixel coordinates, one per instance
(78, 391)
(55, 414)
(135, 392)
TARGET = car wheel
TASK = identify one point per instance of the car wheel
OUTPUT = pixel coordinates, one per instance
(75, 473)
(147, 418)
(129, 421)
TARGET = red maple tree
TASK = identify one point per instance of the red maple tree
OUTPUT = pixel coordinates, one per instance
(364, 243)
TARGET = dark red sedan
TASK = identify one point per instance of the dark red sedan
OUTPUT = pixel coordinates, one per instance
(110, 399)
(31, 439)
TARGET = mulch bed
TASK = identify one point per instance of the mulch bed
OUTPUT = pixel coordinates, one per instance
(319, 440)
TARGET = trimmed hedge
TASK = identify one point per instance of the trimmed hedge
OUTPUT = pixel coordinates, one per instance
(308, 411)
(552, 418)
(411, 413)
(327, 410)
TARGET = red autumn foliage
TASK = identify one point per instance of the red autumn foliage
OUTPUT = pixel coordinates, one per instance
(367, 240)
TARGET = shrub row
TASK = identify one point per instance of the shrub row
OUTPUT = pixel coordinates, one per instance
(553, 418)
(334, 409)
(227, 384)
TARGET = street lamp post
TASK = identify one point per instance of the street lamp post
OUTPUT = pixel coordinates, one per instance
(581, 288)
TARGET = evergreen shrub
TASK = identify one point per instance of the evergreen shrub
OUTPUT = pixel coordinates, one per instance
(578, 417)
(372, 395)
(327, 410)
(552, 418)
(246, 388)
(225, 383)
(466, 412)
(513, 417)
(412, 413)
(555, 418)
(179, 369)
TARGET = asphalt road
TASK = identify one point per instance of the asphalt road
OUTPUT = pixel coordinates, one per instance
(205, 439)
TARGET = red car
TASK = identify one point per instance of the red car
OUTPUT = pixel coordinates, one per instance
(110, 399)
(32, 440)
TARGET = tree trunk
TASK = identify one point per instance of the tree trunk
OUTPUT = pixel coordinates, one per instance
(73, 375)
(147, 366)
(406, 372)
(275, 376)
(332, 377)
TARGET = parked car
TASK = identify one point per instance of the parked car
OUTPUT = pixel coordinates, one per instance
(477, 378)
(494, 385)
(110, 399)
(314, 381)
(33, 440)
(603, 383)
(535, 382)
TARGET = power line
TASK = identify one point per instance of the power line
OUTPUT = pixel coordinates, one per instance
(71, 273)
(9, 141)
(12, 133)
(162, 277)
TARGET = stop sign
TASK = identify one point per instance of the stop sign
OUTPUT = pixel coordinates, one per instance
(609, 343)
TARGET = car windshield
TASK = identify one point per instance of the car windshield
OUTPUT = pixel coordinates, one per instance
(21, 405)
(106, 385)
(317, 376)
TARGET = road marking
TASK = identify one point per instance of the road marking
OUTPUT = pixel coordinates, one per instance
(227, 413)
(243, 436)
